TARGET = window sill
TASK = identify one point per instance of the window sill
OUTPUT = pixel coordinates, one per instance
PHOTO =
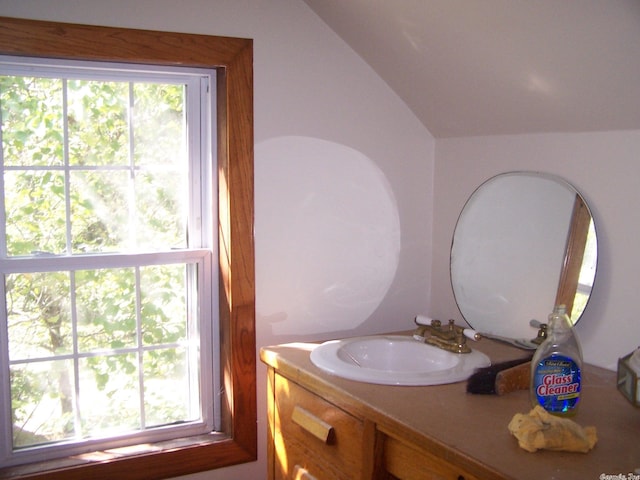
(149, 461)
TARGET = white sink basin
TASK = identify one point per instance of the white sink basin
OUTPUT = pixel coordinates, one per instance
(395, 360)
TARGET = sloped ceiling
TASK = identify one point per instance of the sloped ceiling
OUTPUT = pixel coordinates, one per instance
(491, 67)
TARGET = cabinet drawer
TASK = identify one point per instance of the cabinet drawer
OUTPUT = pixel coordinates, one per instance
(406, 462)
(314, 436)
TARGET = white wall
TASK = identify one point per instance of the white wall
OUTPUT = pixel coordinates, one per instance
(344, 173)
(604, 167)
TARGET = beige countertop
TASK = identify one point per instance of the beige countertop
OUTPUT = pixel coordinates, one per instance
(471, 430)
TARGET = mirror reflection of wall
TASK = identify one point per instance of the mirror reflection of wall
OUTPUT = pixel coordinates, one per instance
(524, 242)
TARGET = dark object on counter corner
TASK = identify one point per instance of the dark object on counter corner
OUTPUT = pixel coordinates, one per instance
(501, 378)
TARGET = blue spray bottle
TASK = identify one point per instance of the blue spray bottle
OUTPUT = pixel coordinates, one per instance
(556, 367)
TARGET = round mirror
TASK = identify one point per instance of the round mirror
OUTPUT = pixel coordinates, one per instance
(524, 243)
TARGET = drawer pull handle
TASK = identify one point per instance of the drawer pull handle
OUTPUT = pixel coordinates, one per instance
(300, 473)
(312, 424)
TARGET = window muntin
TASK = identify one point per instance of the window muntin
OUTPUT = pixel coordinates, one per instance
(147, 176)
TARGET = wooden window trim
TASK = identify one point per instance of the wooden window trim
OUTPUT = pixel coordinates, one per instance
(233, 60)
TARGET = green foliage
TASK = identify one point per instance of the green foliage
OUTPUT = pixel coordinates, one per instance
(32, 121)
(111, 176)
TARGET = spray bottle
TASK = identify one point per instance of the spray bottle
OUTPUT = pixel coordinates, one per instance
(556, 367)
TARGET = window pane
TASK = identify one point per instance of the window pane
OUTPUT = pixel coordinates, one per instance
(32, 127)
(137, 365)
(159, 124)
(99, 211)
(35, 211)
(38, 315)
(98, 122)
(42, 402)
(109, 394)
(161, 209)
(106, 304)
(163, 304)
(168, 391)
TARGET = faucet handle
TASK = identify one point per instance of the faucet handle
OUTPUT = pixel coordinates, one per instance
(535, 323)
(542, 331)
(472, 334)
(427, 321)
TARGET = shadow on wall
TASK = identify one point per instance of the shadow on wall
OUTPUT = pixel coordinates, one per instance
(327, 235)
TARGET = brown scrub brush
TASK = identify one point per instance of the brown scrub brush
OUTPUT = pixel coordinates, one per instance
(501, 378)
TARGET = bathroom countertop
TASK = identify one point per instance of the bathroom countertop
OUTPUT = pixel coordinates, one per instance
(471, 430)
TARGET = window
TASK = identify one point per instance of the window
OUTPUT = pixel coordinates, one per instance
(88, 252)
(107, 254)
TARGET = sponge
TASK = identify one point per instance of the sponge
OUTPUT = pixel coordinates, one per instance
(540, 430)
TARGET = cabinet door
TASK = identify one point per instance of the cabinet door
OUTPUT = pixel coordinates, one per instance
(407, 462)
(314, 438)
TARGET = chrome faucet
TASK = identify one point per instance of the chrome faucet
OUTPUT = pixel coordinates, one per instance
(450, 337)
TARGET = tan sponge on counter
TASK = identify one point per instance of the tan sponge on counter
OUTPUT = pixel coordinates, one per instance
(539, 430)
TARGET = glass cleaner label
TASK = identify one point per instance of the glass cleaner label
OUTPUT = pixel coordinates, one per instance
(557, 383)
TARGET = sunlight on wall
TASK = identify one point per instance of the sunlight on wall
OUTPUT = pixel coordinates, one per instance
(327, 235)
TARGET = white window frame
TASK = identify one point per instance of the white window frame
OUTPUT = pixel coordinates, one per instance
(204, 253)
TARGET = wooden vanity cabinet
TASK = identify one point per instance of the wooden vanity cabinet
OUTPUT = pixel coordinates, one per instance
(404, 461)
(325, 427)
(311, 438)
